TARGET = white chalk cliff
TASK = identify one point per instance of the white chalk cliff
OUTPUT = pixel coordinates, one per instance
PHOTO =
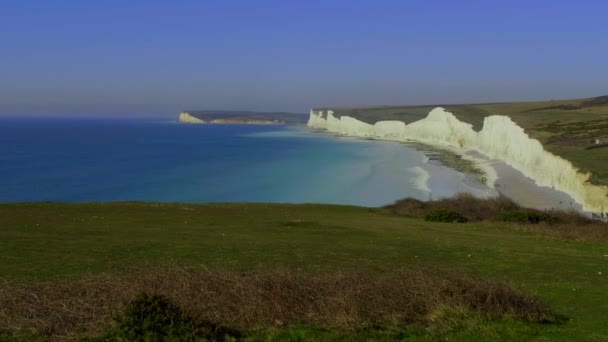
(500, 138)
(187, 118)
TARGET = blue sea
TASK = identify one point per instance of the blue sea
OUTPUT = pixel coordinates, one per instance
(91, 160)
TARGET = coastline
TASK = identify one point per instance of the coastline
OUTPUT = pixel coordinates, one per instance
(524, 191)
(186, 118)
(445, 155)
(432, 180)
(501, 175)
(480, 170)
(241, 118)
(459, 161)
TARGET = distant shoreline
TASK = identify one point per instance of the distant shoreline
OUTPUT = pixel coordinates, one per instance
(240, 118)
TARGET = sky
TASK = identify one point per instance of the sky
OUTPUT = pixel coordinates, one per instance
(157, 58)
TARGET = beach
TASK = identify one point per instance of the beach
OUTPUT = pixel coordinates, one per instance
(499, 139)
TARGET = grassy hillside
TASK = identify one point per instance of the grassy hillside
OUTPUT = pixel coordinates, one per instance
(47, 244)
(566, 128)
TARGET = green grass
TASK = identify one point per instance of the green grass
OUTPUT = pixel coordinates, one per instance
(46, 241)
(473, 329)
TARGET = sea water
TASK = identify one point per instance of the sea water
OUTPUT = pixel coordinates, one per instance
(85, 160)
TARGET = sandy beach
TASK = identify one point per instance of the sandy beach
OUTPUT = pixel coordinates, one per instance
(522, 189)
(502, 179)
(526, 192)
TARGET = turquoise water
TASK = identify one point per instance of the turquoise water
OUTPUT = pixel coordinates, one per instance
(120, 160)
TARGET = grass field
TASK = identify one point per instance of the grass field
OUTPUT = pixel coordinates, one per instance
(566, 128)
(47, 242)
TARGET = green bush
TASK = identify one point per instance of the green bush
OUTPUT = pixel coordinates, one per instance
(444, 215)
(156, 318)
(527, 216)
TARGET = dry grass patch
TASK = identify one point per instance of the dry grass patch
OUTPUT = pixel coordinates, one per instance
(259, 300)
(504, 213)
(473, 208)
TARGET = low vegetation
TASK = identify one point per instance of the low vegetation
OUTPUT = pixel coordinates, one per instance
(157, 318)
(569, 225)
(270, 272)
(444, 215)
(473, 208)
(528, 216)
(499, 208)
(226, 304)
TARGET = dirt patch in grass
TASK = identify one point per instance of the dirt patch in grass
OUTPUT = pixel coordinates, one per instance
(260, 300)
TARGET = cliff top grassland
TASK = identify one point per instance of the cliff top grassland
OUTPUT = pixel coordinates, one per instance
(301, 272)
(245, 116)
(567, 128)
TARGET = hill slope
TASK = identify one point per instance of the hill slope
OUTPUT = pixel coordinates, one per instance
(45, 243)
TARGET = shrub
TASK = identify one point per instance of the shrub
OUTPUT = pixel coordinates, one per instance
(517, 217)
(527, 216)
(444, 215)
(474, 209)
(156, 318)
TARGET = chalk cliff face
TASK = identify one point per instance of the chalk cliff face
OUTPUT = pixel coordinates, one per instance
(187, 118)
(500, 138)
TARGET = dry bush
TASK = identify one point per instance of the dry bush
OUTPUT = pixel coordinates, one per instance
(409, 207)
(566, 225)
(257, 300)
(473, 208)
(571, 217)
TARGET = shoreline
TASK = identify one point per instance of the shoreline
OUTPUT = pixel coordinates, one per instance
(499, 138)
(430, 176)
(494, 174)
(525, 192)
(470, 182)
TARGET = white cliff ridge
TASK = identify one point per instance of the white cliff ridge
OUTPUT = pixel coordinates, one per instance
(500, 138)
(187, 118)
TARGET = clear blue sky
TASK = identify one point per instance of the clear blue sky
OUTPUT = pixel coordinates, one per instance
(154, 58)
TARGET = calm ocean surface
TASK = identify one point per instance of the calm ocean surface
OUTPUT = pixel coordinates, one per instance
(122, 160)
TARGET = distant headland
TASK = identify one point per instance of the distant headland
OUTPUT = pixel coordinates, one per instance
(242, 118)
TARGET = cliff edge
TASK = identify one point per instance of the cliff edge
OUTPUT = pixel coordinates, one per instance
(499, 138)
